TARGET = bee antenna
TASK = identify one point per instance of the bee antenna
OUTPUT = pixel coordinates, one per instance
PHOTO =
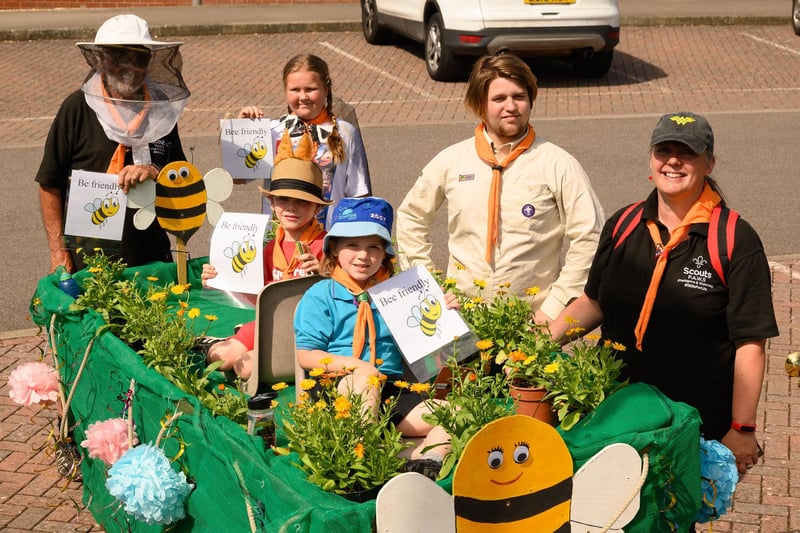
(191, 152)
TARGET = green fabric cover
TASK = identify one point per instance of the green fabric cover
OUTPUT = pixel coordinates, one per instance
(280, 498)
(669, 432)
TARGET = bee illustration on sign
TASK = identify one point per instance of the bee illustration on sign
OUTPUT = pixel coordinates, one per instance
(102, 209)
(241, 254)
(426, 315)
(253, 153)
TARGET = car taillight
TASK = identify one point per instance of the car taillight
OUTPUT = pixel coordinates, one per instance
(470, 39)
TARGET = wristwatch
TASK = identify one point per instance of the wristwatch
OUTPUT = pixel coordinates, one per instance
(744, 428)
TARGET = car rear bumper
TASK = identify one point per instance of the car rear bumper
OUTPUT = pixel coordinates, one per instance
(532, 41)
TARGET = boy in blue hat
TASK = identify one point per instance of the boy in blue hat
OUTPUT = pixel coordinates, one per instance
(336, 322)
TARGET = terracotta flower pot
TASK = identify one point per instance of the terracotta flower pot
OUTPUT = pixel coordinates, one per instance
(529, 402)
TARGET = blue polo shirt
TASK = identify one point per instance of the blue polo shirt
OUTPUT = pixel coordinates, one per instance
(325, 319)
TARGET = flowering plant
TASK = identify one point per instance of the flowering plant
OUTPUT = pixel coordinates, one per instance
(476, 398)
(532, 358)
(158, 321)
(578, 382)
(343, 443)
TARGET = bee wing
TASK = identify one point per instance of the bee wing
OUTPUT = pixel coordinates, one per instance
(91, 207)
(219, 184)
(144, 217)
(411, 502)
(142, 195)
(213, 211)
(603, 485)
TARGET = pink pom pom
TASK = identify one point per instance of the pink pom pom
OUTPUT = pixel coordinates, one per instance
(33, 383)
(108, 440)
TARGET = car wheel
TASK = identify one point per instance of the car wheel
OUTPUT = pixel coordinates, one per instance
(441, 63)
(374, 33)
(796, 16)
(596, 66)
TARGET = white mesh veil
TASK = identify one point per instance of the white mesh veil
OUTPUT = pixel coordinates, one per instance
(137, 122)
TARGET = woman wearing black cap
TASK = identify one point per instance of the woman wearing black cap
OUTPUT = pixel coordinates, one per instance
(694, 319)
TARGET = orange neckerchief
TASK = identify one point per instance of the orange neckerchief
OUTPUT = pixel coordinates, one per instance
(700, 212)
(364, 319)
(322, 118)
(486, 154)
(279, 259)
(118, 158)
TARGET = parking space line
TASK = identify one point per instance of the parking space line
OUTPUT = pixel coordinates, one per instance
(382, 72)
(771, 43)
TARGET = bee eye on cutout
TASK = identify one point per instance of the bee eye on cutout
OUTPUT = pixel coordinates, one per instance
(184, 172)
(172, 175)
(495, 458)
(521, 453)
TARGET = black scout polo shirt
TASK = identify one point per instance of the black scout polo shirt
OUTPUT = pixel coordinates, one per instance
(688, 348)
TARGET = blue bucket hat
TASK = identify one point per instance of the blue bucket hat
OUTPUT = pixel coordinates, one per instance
(361, 217)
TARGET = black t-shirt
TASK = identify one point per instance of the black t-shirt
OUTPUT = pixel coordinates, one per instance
(76, 141)
(689, 346)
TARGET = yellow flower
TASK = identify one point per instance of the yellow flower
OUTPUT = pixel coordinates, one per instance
(420, 387)
(486, 356)
(459, 266)
(576, 331)
(618, 346)
(184, 305)
(592, 337)
(469, 305)
(359, 450)
(194, 312)
(97, 250)
(505, 285)
(532, 291)
(607, 343)
(178, 289)
(374, 381)
(211, 318)
(320, 405)
(37, 301)
(342, 403)
(307, 384)
(481, 284)
(158, 296)
(279, 386)
(484, 344)
(552, 367)
(400, 384)
(95, 270)
(273, 404)
(221, 386)
(316, 372)
(325, 361)
(179, 312)
(477, 300)
(378, 362)
(152, 278)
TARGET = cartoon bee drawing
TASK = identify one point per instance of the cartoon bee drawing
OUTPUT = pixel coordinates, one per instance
(241, 254)
(253, 153)
(426, 314)
(102, 209)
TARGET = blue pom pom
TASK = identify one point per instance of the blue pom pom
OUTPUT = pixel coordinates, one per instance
(719, 477)
(152, 492)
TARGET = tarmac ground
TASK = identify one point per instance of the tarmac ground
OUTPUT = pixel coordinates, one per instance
(35, 498)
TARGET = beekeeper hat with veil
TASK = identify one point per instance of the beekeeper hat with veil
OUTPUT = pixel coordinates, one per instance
(135, 86)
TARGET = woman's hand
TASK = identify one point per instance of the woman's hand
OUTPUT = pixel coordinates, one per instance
(208, 273)
(250, 111)
(744, 447)
(451, 301)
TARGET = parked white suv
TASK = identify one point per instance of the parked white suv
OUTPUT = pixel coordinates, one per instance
(583, 31)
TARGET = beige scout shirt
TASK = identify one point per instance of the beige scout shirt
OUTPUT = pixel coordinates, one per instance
(547, 206)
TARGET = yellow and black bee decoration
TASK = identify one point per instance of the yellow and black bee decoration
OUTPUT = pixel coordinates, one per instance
(241, 254)
(181, 198)
(102, 209)
(516, 475)
(253, 153)
(426, 315)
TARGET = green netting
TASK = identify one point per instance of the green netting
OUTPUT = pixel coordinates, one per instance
(669, 432)
(238, 484)
(229, 468)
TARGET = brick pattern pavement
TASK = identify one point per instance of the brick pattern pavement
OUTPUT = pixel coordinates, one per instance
(34, 498)
(228, 72)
